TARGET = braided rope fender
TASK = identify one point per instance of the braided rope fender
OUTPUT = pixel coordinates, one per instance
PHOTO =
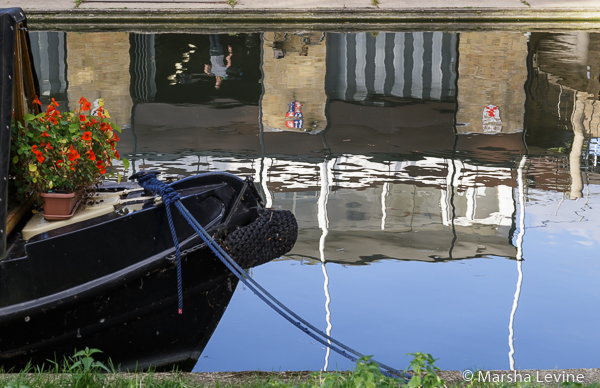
(268, 237)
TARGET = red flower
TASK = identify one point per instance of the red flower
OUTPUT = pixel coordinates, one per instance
(59, 162)
(38, 154)
(37, 101)
(53, 120)
(46, 145)
(87, 136)
(44, 134)
(86, 106)
(91, 156)
(82, 100)
(81, 118)
(101, 167)
(117, 155)
(73, 154)
(54, 102)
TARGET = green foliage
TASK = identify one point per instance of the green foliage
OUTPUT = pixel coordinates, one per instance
(68, 151)
(17, 383)
(424, 372)
(84, 369)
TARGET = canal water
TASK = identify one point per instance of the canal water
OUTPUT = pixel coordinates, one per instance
(445, 184)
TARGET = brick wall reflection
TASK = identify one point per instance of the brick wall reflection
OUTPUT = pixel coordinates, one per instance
(294, 70)
(98, 66)
(492, 70)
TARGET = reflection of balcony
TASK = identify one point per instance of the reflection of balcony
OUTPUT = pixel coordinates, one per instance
(365, 67)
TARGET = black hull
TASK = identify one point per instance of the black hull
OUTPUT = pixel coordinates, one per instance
(136, 324)
(120, 296)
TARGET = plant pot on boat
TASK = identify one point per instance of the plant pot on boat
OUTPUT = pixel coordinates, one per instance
(62, 156)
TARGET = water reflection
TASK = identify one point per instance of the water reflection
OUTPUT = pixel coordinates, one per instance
(393, 150)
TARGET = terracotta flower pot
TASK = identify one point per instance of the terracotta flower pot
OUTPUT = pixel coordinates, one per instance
(59, 206)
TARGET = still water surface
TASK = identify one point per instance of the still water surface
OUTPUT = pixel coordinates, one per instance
(445, 184)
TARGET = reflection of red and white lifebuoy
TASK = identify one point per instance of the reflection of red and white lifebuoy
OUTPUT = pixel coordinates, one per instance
(294, 112)
(491, 119)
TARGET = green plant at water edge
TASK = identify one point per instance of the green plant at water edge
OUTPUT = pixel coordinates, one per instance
(368, 375)
(424, 372)
(84, 370)
(18, 383)
(78, 3)
(375, 3)
(526, 3)
(232, 3)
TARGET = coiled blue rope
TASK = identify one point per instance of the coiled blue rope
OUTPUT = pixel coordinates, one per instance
(170, 196)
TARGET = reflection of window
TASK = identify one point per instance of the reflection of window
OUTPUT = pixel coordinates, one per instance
(48, 50)
(356, 216)
(179, 69)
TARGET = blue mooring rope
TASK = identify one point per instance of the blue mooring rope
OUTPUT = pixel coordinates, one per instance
(170, 196)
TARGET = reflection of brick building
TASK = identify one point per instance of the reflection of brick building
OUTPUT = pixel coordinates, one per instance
(98, 66)
(492, 71)
(294, 70)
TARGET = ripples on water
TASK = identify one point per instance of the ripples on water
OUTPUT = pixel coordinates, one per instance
(423, 168)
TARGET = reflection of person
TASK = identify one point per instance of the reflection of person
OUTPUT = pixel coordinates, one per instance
(219, 63)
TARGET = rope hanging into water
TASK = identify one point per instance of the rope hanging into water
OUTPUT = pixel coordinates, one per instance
(170, 196)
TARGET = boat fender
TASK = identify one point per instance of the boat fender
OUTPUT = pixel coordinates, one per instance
(272, 234)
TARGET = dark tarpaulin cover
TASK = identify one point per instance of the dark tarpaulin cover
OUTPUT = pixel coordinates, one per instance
(9, 19)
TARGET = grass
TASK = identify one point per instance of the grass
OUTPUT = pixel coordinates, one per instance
(375, 3)
(232, 3)
(83, 371)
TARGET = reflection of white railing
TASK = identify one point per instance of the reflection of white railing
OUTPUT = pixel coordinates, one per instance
(384, 192)
(326, 172)
(519, 245)
(359, 172)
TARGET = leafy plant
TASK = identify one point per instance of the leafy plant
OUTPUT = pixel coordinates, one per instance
(424, 372)
(18, 383)
(85, 371)
(368, 375)
(69, 152)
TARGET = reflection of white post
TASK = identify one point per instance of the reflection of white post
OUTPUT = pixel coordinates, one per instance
(384, 193)
(326, 172)
(264, 178)
(575, 155)
(519, 244)
(446, 194)
(471, 204)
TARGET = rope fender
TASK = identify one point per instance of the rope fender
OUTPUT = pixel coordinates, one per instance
(271, 235)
